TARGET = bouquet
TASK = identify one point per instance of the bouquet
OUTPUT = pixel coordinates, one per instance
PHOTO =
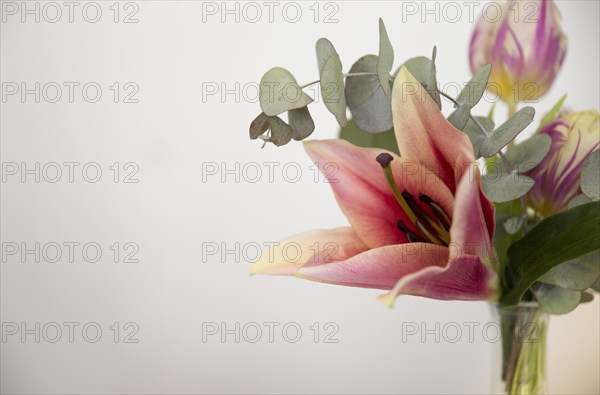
(451, 208)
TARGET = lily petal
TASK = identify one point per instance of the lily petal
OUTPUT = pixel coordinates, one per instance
(362, 191)
(464, 278)
(319, 245)
(423, 133)
(379, 268)
(469, 232)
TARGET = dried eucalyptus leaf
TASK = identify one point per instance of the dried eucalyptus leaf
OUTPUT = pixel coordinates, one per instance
(385, 60)
(371, 108)
(502, 185)
(590, 177)
(332, 88)
(527, 155)
(301, 123)
(577, 274)
(281, 132)
(324, 51)
(259, 125)
(280, 92)
(506, 132)
(555, 300)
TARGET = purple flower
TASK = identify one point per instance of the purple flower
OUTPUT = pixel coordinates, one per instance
(525, 45)
(575, 136)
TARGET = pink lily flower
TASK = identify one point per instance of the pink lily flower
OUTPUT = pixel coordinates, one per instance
(420, 223)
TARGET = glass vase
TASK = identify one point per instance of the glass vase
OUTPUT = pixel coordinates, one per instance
(520, 366)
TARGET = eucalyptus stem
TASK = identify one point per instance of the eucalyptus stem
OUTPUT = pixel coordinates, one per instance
(345, 76)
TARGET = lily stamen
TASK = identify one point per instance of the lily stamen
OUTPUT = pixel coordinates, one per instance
(412, 237)
(438, 211)
(431, 231)
(437, 232)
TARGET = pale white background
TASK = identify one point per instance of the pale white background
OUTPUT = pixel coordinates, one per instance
(171, 53)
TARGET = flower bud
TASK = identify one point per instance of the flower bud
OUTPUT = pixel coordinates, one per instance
(575, 136)
(525, 45)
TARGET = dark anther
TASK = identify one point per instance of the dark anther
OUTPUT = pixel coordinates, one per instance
(413, 238)
(384, 159)
(437, 209)
(414, 206)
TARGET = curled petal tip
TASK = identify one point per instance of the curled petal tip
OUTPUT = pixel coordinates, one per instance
(388, 299)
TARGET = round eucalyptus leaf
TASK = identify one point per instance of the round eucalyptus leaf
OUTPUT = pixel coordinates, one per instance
(371, 108)
(577, 274)
(332, 88)
(424, 71)
(555, 300)
(325, 50)
(385, 60)
(432, 87)
(527, 155)
(578, 201)
(280, 92)
(301, 122)
(501, 185)
(590, 177)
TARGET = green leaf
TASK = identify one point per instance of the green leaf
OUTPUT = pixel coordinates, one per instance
(281, 132)
(527, 155)
(460, 117)
(476, 135)
(556, 300)
(422, 68)
(577, 274)
(360, 138)
(502, 185)
(475, 88)
(432, 81)
(279, 92)
(551, 115)
(596, 286)
(259, 125)
(586, 297)
(469, 96)
(332, 88)
(385, 61)
(567, 235)
(506, 132)
(371, 108)
(301, 123)
(590, 177)
(578, 201)
(325, 50)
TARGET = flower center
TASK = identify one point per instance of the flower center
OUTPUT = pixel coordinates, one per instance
(429, 230)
